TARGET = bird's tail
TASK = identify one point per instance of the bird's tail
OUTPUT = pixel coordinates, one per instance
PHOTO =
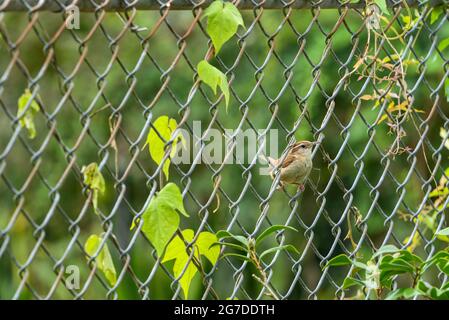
(271, 162)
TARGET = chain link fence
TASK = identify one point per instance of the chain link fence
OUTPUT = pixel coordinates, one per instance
(370, 88)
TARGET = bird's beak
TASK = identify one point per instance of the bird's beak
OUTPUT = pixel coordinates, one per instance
(315, 143)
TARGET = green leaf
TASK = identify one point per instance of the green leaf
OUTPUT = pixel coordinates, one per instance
(443, 238)
(445, 286)
(272, 229)
(351, 282)
(230, 245)
(423, 287)
(393, 262)
(213, 78)
(386, 278)
(446, 89)
(94, 180)
(177, 250)
(26, 118)
(436, 13)
(340, 260)
(236, 255)
(177, 245)
(287, 247)
(160, 223)
(165, 126)
(411, 258)
(223, 234)
(396, 266)
(214, 8)
(359, 265)
(223, 20)
(187, 276)
(134, 223)
(103, 260)
(382, 6)
(443, 44)
(171, 196)
(389, 248)
(440, 259)
(443, 232)
(205, 248)
(161, 219)
(432, 292)
(405, 293)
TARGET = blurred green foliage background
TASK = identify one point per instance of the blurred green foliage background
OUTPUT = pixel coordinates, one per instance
(42, 204)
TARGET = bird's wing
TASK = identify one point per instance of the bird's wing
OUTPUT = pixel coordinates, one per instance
(288, 161)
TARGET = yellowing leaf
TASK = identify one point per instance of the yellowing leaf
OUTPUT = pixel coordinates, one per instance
(94, 180)
(444, 135)
(177, 250)
(416, 241)
(103, 260)
(383, 118)
(213, 78)
(439, 192)
(397, 57)
(443, 178)
(26, 118)
(367, 97)
(134, 223)
(160, 219)
(392, 107)
(358, 63)
(223, 20)
(165, 126)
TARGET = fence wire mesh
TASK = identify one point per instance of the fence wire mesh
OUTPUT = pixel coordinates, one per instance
(373, 97)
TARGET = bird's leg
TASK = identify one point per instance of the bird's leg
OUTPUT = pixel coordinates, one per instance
(283, 188)
(280, 186)
(301, 187)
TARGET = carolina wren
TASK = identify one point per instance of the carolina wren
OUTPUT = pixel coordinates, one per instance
(296, 167)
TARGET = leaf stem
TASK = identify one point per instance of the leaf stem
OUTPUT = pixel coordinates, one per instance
(264, 279)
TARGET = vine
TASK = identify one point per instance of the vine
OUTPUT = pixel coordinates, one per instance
(249, 251)
(376, 275)
(223, 20)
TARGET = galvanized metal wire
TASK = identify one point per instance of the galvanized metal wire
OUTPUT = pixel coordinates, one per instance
(101, 87)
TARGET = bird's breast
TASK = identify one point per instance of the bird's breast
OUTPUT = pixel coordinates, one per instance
(297, 171)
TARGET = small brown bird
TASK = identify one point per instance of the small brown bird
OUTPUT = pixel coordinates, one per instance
(296, 167)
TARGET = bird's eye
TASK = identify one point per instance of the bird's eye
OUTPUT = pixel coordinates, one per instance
(302, 146)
